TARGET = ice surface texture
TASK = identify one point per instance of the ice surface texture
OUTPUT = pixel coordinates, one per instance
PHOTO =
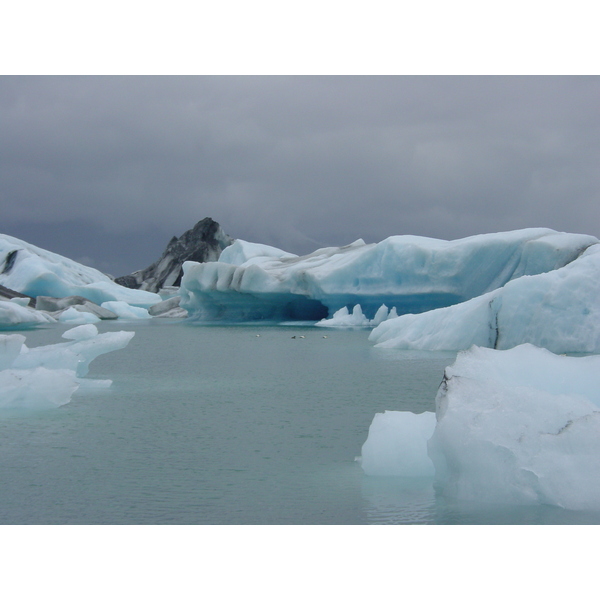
(36, 272)
(559, 310)
(344, 318)
(47, 376)
(397, 445)
(519, 426)
(14, 314)
(409, 273)
(125, 311)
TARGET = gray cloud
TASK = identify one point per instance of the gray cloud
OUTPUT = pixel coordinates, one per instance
(109, 168)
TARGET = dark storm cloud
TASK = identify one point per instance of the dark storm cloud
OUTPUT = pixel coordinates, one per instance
(297, 162)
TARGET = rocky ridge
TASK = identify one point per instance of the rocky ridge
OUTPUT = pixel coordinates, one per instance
(203, 243)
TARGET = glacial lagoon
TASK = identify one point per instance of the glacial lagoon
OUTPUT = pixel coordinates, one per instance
(244, 424)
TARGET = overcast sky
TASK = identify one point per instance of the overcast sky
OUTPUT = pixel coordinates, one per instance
(106, 170)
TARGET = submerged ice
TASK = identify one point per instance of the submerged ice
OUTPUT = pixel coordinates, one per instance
(47, 376)
(519, 426)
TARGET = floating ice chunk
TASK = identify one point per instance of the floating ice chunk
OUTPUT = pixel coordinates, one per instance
(13, 314)
(47, 376)
(82, 332)
(519, 426)
(559, 310)
(109, 291)
(125, 311)
(397, 445)
(36, 272)
(73, 316)
(453, 328)
(10, 348)
(74, 355)
(38, 388)
(381, 315)
(343, 317)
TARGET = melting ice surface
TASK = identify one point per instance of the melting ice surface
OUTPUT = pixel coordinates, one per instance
(47, 376)
(520, 426)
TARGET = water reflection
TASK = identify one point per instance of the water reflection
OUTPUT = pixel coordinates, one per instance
(399, 500)
(412, 501)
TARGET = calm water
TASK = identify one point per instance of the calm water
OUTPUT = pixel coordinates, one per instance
(229, 425)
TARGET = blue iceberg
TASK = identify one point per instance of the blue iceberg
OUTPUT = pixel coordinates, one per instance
(408, 274)
(558, 310)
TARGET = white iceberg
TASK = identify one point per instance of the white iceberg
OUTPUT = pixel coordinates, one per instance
(558, 310)
(344, 318)
(72, 316)
(13, 313)
(519, 426)
(38, 388)
(47, 376)
(126, 311)
(75, 354)
(409, 273)
(397, 445)
(33, 271)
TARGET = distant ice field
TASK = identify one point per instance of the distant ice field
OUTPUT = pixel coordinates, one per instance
(230, 425)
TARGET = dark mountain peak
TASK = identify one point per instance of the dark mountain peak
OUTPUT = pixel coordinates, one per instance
(203, 243)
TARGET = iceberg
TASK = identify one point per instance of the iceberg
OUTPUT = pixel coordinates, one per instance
(397, 445)
(407, 273)
(558, 310)
(125, 311)
(518, 426)
(77, 353)
(47, 376)
(33, 271)
(344, 318)
(14, 314)
(38, 388)
(73, 316)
